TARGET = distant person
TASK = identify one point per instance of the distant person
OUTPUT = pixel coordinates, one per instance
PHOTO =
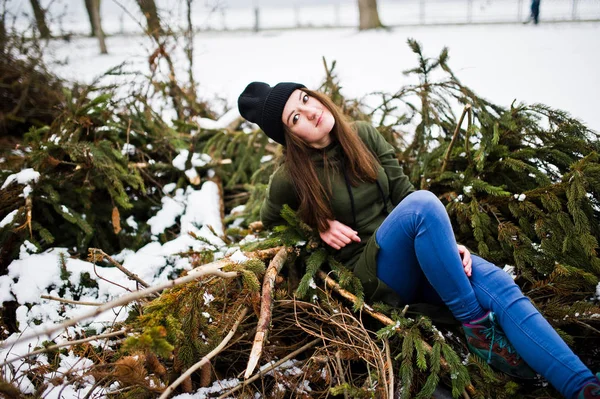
(535, 11)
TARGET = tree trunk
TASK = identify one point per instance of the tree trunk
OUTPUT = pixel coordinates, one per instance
(40, 19)
(89, 8)
(97, 24)
(368, 15)
(2, 35)
(148, 8)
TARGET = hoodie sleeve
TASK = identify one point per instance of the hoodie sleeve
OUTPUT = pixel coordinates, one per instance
(400, 185)
(280, 191)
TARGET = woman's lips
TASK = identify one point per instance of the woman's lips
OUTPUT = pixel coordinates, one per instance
(319, 120)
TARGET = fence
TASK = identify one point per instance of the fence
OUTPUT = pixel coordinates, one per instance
(406, 12)
(216, 15)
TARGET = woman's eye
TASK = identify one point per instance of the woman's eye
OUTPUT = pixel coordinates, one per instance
(305, 98)
(295, 119)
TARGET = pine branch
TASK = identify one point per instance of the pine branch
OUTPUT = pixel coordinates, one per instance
(213, 268)
(206, 358)
(331, 283)
(455, 136)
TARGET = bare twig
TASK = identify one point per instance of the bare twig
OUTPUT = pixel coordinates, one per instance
(454, 137)
(271, 367)
(213, 268)
(266, 308)
(69, 343)
(338, 362)
(53, 298)
(95, 253)
(206, 358)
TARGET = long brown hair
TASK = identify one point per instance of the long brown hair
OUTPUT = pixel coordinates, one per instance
(315, 207)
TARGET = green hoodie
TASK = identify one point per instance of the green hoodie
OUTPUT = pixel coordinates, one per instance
(362, 207)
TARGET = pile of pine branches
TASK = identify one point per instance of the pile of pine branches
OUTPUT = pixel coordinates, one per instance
(521, 185)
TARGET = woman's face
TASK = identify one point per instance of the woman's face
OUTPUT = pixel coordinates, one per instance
(308, 119)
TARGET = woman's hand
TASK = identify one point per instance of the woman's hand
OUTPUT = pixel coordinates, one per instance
(466, 259)
(338, 235)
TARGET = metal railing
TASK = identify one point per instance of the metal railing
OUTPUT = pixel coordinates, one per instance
(405, 12)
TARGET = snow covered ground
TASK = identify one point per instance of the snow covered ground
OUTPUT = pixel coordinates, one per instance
(555, 64)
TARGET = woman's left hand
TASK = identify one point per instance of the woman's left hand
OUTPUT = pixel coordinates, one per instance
(466, 259)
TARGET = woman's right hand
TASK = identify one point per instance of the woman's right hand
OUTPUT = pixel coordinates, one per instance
(339, 235)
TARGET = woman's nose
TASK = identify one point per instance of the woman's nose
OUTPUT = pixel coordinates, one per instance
(310, 112)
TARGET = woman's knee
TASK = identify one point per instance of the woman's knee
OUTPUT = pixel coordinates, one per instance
(423, 200)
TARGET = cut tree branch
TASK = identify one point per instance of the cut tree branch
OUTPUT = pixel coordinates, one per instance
(206, 358)
(266, 308)
(69, 343)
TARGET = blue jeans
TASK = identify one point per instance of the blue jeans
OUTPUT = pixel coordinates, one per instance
(419, 260)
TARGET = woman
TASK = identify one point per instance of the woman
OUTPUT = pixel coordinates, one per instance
(345, 180)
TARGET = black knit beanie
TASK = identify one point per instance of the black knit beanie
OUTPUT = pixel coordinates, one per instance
(262, 104)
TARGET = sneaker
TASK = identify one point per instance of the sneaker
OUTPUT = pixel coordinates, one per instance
(591, 389)
(486, 339)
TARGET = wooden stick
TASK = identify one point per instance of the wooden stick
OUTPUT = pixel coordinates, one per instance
(331, 283)
(338, 363)
(213, 268)
(388, 359)
(206, 358)
(271, 367)
(266, 309)
(69, 343)
(454, 137)
(54, 298)
(95, 251)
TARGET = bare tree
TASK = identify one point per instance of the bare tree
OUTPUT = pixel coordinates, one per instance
(89, 6)
(94, 10)
(149, 10)
(40, 19)
(368, 15)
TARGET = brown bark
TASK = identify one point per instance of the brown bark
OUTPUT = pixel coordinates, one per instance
(40, 19)
(368, 15)
(88, 8)
(266, 308)
(2, 35)
(149, 10)
(97, 24)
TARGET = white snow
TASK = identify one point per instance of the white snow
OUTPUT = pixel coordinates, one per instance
(197, 159)
(132, 223)
(169, 187)
(23, 177)
(8, 218)
(553, 64)
(224, 121)
(216, 387)
(128, 149)
(166, 217)
(598, 291)
(239, 257)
